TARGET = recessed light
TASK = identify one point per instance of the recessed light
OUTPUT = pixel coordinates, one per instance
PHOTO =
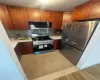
(44, 1)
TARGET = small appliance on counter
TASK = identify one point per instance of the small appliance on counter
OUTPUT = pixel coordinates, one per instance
(40, 37)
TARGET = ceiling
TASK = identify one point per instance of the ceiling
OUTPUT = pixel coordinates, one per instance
(56, 5)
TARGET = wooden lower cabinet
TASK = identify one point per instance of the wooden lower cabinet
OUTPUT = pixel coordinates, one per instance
(27, 47)
(23, 48)
(18, 50)
(57, 44)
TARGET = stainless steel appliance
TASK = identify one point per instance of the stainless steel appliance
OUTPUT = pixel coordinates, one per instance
(38, 25)
(40, 36)
(75, 38)
(42, 44)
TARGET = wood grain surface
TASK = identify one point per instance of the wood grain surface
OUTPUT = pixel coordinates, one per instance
(91, 73)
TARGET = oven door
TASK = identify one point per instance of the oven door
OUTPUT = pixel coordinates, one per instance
(43, 47)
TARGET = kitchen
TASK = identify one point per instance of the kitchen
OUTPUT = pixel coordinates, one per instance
(16, 23)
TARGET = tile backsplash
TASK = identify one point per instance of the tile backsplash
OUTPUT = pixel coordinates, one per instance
(22, 33)
(27, 33)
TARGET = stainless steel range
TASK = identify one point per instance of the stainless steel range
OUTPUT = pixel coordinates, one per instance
(40, 36)
(42, 43)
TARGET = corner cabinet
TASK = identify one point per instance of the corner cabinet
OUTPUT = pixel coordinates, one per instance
(19, 18)
(5, 18)
(57, 44)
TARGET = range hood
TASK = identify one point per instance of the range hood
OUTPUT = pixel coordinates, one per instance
(40, 25)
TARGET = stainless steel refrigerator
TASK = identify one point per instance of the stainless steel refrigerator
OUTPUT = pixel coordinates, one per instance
(75, 38)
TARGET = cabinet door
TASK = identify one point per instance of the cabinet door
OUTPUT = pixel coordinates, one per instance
(56, 20)
(33, 14)
(67, 17)
(57, 44)
(5, 18)
(18, 50)
(27, 48)
(95, 10)
(59, 20)
(30, 47)
(19, 18)
(81, 12)
(45, 16)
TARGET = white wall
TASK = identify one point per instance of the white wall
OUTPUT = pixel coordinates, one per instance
(10, 68)
(91, 55)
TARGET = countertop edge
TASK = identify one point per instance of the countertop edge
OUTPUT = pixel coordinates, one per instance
(15, 42)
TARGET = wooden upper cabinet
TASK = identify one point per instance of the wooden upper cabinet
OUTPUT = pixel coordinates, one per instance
(95, 10)
(19, 18)
(81, 12)
(56, 20)
(59, 19)
(57, 44)
(5, 18)
(33, 14)
(67, 17)
(45, 15)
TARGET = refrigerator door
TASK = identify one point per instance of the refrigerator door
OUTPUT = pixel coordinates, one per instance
(66, 33)
(81, 33)
(72, 54)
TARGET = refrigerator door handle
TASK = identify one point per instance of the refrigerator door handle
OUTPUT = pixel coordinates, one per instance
(66, 39)
(74, 43)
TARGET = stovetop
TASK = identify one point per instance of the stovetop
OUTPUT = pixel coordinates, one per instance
(41, 38)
